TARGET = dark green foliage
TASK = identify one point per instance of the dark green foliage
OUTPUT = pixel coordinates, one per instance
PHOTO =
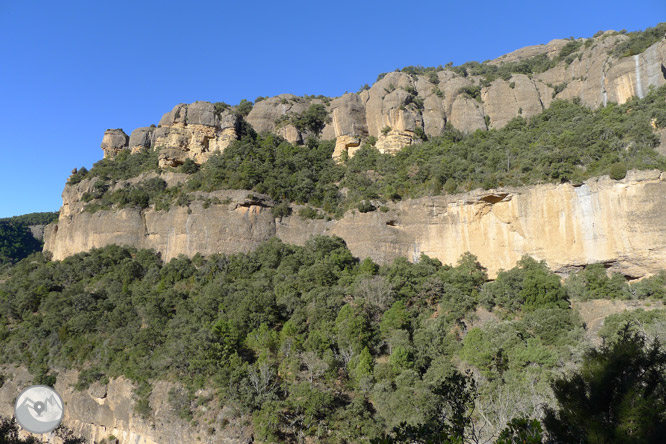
(594, 283)
(88, 376)
(652, 287)
(618, 171)
(639, 41)
(188, 167)
(77, 177)
(16, 242)
(312, 120)
(566, 143)
(122, 166)
(9, 434)
(521, 431)
(649, 322)
(449, 419)
(272, 331)
(533, 65)
(618, 396)
(281, 210)
(270, 165)
(244, 107)
(33, 218)
(140, 195)
(529, 286)
(472, 91)
(569, 49)
(220, 107)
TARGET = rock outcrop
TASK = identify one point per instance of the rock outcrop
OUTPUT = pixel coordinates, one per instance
(194, 132)
(114, 141)
(400, 106)
(106, 411)
(619, 223)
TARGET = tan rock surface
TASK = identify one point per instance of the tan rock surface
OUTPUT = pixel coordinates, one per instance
(194, 131)
(346, 144)
(405, 102)
(105, 410)
(620, 223)
(394, 141)
(113, 142)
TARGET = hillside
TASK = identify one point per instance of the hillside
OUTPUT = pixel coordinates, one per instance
(439, 257)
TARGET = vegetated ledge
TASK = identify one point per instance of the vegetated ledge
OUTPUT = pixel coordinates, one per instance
(603, 220)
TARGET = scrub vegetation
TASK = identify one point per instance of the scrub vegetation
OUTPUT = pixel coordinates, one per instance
(567, 143)
(312, 342)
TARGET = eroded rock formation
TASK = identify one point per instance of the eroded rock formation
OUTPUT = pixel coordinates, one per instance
(103, 411)
(400, 106)
(619, 223)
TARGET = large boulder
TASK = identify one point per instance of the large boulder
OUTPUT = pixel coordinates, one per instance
(141, 138)
(193, 131)
(113, 142)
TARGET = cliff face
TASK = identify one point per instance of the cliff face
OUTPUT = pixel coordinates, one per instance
(102, 411)
(397, 107)
(620, 223)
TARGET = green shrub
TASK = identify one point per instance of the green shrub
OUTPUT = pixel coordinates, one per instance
(639, 41)
(189, 166)
(309, 213)
(471, 91)
(618, 171)
(366, 206)
(281, 210)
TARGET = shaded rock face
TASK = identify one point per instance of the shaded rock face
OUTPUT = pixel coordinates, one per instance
(104, 410)
(619, 223)
(141, 138)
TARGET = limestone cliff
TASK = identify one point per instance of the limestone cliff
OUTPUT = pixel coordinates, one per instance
(104, 411)
(619, 223)
(401, 105)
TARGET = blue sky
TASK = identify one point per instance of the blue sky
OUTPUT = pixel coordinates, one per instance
(71, 69)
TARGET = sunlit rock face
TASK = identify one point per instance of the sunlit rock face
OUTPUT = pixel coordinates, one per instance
(619, 223)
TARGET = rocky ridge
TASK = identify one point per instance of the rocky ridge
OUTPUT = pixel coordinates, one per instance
(619, 223)
(401, 107)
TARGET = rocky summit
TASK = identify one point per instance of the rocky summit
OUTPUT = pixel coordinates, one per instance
(569, 226)
(402, 107)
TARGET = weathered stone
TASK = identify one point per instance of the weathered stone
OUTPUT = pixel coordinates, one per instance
(141, 138)
(290, 134)
(114, 141)
(266, 113)
(176, 116)
(201, 113)
(394, 140)
(467, 114)
(180, 137)
(346, 144)
(504, 100)
(104, 410)
(620, 223)
(347, 117)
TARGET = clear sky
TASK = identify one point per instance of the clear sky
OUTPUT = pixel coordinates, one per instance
(71, 69)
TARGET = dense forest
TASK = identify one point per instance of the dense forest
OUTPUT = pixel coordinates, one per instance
(310, 341)
(16, 239)
(568, 142)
